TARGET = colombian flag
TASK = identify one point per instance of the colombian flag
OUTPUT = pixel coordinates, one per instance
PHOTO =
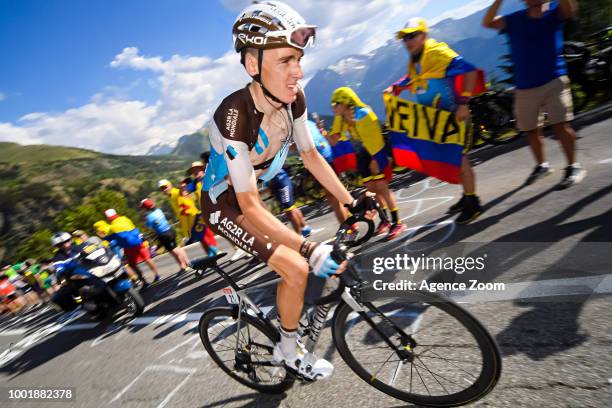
(344, 156)
(428, 140)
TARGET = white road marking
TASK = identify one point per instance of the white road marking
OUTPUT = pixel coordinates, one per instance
(172, 368)
(606, 161)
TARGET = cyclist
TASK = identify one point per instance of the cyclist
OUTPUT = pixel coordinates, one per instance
(282, 188)
(123, 230)
(360, 121)
(540, 74)
(431, 72)
(250, 135)
(156, 220)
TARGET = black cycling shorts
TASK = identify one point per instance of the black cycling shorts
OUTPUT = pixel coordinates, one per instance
(226, 219)
(167, 239)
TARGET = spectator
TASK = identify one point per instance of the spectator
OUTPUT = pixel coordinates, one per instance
(540, 75)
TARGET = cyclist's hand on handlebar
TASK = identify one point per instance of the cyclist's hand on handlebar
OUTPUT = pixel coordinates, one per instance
(322, 263)
(363, 204)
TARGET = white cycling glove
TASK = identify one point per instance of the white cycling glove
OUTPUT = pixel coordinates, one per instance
(321, 261)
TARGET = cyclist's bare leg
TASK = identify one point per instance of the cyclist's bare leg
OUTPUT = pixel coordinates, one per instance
(152, 266)
(381, 187)
(536, 142)
(468, 179)
(293, 269)
(567, 138)
(297, 219)
(179, 256)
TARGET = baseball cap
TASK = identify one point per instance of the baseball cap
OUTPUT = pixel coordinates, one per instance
(163, 183)
(412, 26)
(110, 214)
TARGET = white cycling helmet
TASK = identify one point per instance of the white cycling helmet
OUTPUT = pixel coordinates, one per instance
(271, 24)
(60, 237)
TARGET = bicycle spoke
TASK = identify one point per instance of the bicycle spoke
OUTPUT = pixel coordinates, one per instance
(434, 375)
(450, 361)
(419, 374)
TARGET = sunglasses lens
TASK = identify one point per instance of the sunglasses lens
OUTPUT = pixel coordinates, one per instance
(302, 36)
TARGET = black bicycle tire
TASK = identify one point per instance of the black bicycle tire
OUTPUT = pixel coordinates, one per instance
(491, 356)
(348, 223)
(208, 316)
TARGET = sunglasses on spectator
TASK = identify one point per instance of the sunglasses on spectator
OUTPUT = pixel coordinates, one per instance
(411, 35)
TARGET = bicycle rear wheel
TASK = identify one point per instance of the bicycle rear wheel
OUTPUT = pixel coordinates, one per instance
(444, 358)
(251, 362)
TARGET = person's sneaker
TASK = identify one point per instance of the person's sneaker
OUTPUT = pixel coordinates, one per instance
(539, 171)
(573, 175)
(395, 230)
(303, 363)
(457, 207)
(306, 231)
(157, 278)
(382, 228)
(471, 210)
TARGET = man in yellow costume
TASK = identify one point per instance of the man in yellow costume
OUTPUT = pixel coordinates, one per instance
(355, 118)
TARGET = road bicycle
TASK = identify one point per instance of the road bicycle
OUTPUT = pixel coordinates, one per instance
(421, 348)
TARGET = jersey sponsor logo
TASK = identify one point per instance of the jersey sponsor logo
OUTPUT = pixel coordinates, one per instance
(240, 235)
(214, 217)
(252, 39)
(231, 119)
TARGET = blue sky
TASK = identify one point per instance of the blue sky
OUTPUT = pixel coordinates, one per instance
(77, 67)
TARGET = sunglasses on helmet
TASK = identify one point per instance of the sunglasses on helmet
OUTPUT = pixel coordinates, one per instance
(300, 37)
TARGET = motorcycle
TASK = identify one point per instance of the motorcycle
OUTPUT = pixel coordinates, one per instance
(493, 118)
(589, 69)
(95, 279)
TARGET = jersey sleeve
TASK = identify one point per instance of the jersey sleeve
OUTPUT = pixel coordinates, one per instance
(369, 130)
(459, 66)
(301, 134)
(232, 120)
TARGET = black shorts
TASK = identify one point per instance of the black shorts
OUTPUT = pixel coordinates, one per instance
(167, 239)
(226, 219)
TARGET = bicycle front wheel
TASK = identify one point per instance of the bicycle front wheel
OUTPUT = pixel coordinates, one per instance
(425, 350)
(243, 350)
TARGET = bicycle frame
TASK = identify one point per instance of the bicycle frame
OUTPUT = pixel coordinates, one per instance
(320, 312)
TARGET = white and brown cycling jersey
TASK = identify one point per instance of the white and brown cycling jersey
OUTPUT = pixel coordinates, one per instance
(246, 146)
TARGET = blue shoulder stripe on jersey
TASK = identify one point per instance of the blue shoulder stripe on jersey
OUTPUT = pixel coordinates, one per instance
(258, 148)
(231, 152)
(264, 138)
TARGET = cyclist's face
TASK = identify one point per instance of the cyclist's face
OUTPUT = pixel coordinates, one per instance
(281, 72)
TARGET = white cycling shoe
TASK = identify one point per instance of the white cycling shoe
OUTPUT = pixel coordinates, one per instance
(303, 363)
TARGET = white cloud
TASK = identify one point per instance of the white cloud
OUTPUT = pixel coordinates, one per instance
(190, 87)
(2, 96)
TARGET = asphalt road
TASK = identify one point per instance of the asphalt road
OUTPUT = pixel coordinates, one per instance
(551, 249)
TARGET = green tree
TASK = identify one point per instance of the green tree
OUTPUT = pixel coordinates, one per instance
(85, 215)
(38, 246)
